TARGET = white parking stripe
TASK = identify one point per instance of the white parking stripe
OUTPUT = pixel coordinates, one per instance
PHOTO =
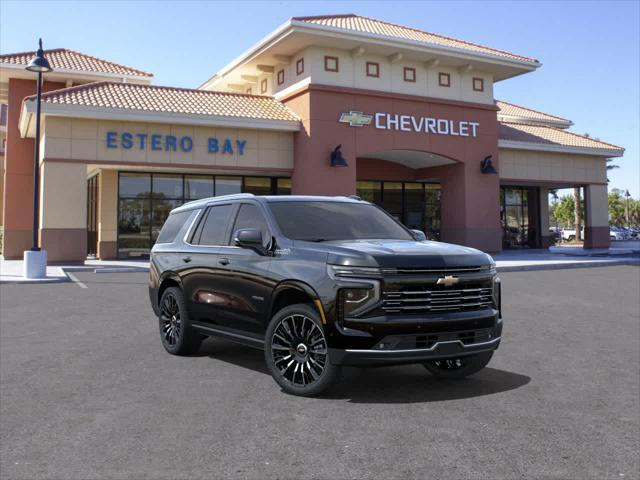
(75, 280)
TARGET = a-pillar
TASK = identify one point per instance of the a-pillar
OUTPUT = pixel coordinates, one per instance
(596, 216)
(63, 211)
(107, 214)
(546, 240)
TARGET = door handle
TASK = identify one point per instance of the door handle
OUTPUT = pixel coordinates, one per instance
(224, 261)
(186, 259)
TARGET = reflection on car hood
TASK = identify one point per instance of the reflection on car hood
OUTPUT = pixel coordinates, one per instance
(401, 254)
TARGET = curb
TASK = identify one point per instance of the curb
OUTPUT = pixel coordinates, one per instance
(566, 266)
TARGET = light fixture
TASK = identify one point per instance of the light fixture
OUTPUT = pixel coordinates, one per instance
(337, 160)
(39, 62)
(486, 166)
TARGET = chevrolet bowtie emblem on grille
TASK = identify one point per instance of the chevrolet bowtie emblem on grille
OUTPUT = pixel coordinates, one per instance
(356, 119)
(447, 280)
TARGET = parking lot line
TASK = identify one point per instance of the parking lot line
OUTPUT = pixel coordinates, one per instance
(75, 280)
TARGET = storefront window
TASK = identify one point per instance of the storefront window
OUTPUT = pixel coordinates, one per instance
(413, 205)
(228, 186)
(145, 201)
(392, 198)
(518, 217)
(370, 191)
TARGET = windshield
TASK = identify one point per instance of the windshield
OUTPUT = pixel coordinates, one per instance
(323, 221)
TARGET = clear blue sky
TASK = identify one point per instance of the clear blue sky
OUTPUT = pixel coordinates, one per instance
(589, 50)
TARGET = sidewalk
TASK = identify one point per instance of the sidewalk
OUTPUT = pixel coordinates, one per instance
(507, 261)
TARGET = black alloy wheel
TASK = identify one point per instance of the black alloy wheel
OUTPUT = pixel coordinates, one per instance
(176, 333)
(296, 351)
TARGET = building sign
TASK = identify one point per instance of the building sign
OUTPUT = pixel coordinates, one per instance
(171, 143)
(411, 123)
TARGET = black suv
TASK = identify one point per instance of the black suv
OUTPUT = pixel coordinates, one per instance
(321, 282)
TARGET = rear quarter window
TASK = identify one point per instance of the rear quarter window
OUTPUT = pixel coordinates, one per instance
(172, 227)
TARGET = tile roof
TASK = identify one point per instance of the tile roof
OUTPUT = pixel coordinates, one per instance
(513, 110)
(370, 25)
(152, 98)
(65, 59)
(544, 135)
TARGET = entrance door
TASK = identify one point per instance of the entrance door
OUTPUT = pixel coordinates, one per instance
(92, 216)
(519, 217)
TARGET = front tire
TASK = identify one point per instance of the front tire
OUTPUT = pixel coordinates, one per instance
(456, 368)
(296, 352)
(176, 333)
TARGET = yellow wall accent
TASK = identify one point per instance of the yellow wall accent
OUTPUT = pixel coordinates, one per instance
(63, 195)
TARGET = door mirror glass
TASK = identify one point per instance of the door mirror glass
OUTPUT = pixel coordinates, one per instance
(249, 238)
(418, 235)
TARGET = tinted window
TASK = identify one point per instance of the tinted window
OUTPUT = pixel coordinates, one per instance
(317, 221)
(215, 226)
(172, 226)
(250, 216)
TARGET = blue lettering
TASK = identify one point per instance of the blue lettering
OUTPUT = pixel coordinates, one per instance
(111, 140)
(227, 147)
(186, 144)
(142, 137)
(170, 143)
(213, 145)
(241, 144)
(126, 140)
(155, 142)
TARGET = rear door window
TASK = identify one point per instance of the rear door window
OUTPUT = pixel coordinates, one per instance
(213, 228)
(172, 226)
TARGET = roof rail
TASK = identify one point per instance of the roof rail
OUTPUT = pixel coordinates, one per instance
(202, 202)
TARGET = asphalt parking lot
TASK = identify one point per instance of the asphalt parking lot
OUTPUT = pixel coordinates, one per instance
(88, 392)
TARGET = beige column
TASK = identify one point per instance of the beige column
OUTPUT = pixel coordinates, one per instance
(596, 217)
(107, 214)
(546, 240)
(63, 211)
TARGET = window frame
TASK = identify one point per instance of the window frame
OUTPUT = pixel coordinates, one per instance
(199, 228)
(280, 76)
(442, 82)
(327, 59)
(480, 81)
(377, 67)
(264, 85)
(407, 70)
(300, 66)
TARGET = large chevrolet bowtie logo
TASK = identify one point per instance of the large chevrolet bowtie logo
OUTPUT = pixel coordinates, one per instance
(356, 119)
(447, 280)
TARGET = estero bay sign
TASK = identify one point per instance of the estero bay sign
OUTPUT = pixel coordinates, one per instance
(411, 123)
(171, 143)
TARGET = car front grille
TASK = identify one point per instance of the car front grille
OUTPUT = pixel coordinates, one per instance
(425, 300)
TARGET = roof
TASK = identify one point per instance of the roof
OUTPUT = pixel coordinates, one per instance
(551, 138)
(65, 59)
(152, 98)
(362, 24)
(516, 113)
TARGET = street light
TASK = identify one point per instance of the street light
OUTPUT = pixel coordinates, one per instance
(35, 260)
(626, 208)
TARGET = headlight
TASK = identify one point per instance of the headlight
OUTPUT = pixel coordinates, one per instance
(357, 300)
(497, 295)
(340, 271)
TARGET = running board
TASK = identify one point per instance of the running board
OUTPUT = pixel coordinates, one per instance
(234, 337)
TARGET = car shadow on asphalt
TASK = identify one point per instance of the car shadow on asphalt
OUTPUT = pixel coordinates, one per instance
(396, 384)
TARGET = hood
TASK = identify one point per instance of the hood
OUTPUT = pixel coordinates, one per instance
(402, 254)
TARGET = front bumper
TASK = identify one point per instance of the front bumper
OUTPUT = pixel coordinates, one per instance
(389, 340)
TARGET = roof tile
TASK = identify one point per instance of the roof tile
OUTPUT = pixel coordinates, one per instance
(517, 132)
(379, 27)
(152, 98)
(65, 59)
(513, 110)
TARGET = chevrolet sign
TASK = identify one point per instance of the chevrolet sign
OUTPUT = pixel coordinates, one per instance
(355, 119)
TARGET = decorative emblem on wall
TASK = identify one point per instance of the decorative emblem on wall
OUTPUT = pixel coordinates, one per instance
(356, 119)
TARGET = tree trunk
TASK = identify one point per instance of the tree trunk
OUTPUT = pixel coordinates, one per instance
(576, 210)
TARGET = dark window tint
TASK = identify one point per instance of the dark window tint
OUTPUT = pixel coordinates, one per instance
(172, 226)
(318, 221)
(215, 226)
(250, 216)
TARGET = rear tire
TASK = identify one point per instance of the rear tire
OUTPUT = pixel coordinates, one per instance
(176, 333)
(296, 351)
(455, 368)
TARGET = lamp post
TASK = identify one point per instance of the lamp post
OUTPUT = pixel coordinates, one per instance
(626, 208)
(35, 260)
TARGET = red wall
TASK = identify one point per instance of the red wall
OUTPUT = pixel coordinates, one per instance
(470, 200)
(18, 177)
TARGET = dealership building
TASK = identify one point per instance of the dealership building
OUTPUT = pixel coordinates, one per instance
(330, 105)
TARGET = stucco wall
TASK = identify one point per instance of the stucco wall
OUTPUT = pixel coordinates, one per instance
(85, 140)
(551, 167)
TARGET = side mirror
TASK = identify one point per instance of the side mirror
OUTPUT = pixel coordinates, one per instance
(418, 235)
(249, 238)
